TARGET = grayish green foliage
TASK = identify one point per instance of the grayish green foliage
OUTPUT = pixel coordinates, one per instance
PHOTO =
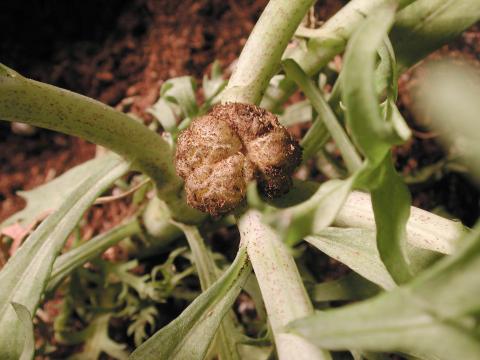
(190, 334)
(48, 197)
(25, 275)
(78, 256)
(425, 318)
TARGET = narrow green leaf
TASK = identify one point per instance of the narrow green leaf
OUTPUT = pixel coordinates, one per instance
(348, 288)
(391, 206)
(208, 274)
(314, 214)
(424, 229)
(26, 319)
(190, 334)
(356, 249)
(295, 72)
(375, 134)
(369, 129)
(25, 275)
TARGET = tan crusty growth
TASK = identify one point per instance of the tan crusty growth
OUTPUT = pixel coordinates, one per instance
(235, 143)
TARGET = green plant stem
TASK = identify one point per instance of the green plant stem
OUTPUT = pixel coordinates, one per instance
(350, 155)
(261, 55)
(49, 107)
(78, 256)
(282, 288)
(327, 41)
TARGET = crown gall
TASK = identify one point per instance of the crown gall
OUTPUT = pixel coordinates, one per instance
(221, 152)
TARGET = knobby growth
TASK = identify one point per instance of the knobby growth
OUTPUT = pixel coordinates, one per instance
(220, 153)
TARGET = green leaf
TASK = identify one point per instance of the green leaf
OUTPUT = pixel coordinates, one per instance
(314, 214)
(391, 206)
(145, 317)
(369, 130)
(208, 274)
(213, 85)
(348, 288)
(93, 248)
(48, 197)
(97, 341)
(167, 114)
(181, 91)
(26, 318)
(375, 135)
(190, 334)
(425, 230)
(426, 25)
(426, 318)
(326, 115)
(297, 113)
(356, 249)
(25, 275)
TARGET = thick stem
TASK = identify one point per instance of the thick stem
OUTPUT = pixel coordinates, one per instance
(328, 41)
(281, 286)
(57, 109)
(261, 55)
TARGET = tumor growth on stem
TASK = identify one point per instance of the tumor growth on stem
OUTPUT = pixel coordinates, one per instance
(235, 143)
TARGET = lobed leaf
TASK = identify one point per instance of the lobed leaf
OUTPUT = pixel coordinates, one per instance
(190, 334)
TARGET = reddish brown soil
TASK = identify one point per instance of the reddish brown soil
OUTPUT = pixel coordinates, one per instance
(125, 52)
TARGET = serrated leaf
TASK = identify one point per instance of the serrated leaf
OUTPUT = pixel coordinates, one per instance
(97, 341)
(25, 275)
(48, 197)
(190, 334)
(145, 317)
(425, 318)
